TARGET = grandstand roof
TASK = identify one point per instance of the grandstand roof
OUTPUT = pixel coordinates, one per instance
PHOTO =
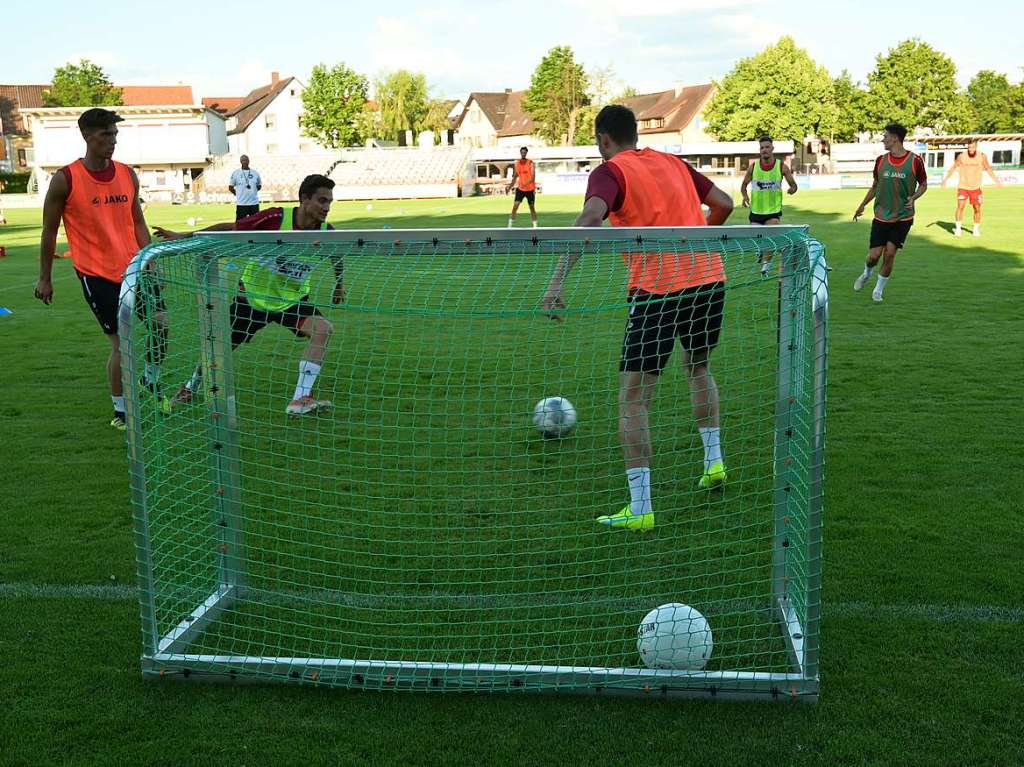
(255, 102)
(677, 107)
(965, 137)
(504, 110)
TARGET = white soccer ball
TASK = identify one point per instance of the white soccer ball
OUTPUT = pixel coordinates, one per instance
(554, 417)
(191, 222)
(674, 636)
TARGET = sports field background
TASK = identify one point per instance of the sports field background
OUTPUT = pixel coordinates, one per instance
(923, 597)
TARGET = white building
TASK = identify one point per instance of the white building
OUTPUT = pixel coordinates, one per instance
(267, 121)
(167, 145)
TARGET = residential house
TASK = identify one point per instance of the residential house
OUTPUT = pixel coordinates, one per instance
(672, 117)
(495, 119)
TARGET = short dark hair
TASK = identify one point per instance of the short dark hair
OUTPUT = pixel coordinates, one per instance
(97, 119)
(617, 122)
(765, 137)
(524, 149)
(313, 182)
(899, 131)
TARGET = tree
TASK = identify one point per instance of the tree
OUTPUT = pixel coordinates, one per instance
(402, 99)
(332, 103)
(850, 118)
(436, 118)
(557, 93)
(81, 85)
(915, 85)
(780, 91)
(997, 105)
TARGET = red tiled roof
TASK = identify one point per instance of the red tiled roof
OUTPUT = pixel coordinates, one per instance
(223, 104)
(676, 108)
(156, 95)
(14, 98)
(255, 102)
(504, 110)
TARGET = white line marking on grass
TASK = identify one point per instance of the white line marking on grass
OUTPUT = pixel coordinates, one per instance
(957, 613)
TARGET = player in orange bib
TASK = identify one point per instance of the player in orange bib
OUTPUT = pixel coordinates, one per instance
(970, 164)
(98, 199)
(524, 179)
(671, 296)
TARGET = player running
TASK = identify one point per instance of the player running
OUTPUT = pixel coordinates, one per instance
(970, 164)
(276, 290)
(524, 179)
(765, 200)
(671, 295)
(98, 200)
(900, 181)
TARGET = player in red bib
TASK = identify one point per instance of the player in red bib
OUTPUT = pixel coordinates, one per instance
(672, 296)
(524, 179)
(98, 200)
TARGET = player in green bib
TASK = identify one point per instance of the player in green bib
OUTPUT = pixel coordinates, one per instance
(275, 289)
(764, 177)
(900, 179)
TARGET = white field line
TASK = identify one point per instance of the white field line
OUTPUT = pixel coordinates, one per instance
(954, 613)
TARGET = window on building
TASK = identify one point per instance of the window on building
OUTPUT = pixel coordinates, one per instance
(305, 147)
(22, 158)
(161, 178)
(291, 92)
(474, 116)
(936, 159)
(270, 121)
(1002, 157)
(271, 148)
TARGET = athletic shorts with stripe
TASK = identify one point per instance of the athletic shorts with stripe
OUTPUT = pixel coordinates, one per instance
(693, 315)
(104, 298)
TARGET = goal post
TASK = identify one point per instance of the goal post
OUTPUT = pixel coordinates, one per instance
(416, 531)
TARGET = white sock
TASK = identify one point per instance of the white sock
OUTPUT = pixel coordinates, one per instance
(639, 490)
(867, 271)
(765, 266)
(534, 223)
(510, 223)
(880, 285)
(118, 403)
(711, 436)
(308, 371)
(193, 383)
(958, 225)
(977, 230)
(152, 373)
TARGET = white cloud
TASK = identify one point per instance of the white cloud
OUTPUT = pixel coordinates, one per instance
(746, 30)
(631, 9)
(401, 43)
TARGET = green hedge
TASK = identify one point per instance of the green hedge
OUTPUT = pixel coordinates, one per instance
(15, 183)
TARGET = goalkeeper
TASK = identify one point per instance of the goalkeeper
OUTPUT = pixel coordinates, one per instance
(671, 295)
(275, 289)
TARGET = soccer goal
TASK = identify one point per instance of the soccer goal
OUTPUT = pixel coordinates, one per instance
(419, 532)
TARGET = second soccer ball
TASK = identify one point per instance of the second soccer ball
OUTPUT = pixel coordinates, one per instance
(554, 417)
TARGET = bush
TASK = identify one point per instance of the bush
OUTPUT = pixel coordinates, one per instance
(15, 183)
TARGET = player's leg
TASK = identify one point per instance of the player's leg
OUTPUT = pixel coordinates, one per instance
(885, 271)
(646, 348)
(305, 320)
(766, 257)
(103, 297)
(961, 203)
(114, 380)
(515, 208)
(531, 201)
(876, 244)
(699, 329)
(976, 205)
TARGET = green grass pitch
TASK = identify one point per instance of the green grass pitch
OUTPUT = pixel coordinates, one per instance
(923, 599)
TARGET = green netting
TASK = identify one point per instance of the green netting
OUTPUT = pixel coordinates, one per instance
(421, 532)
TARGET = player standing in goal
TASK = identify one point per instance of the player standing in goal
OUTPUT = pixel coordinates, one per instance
(524, 179)
(765, 200)
(970, 164)
(672, 296)
(276, 290)
(98, 199)
(900, 181)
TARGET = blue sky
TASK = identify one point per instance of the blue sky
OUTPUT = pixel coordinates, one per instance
(226, 48)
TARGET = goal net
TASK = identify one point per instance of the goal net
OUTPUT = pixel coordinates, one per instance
(419, 532)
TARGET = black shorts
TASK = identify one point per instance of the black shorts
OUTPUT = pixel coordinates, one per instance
(104, 298)
(247, 320)
(528, 196)
(889, 231)
(762, 218)
(693, 315)
(242, 211)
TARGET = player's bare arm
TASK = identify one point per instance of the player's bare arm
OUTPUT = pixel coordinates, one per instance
(952, 169)
(594, 211)
(720, 206)
(53, 209)
(167, 234)
(867, 198)
(138, 216)
(747, 178)
(787, 174)
(991, 173)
